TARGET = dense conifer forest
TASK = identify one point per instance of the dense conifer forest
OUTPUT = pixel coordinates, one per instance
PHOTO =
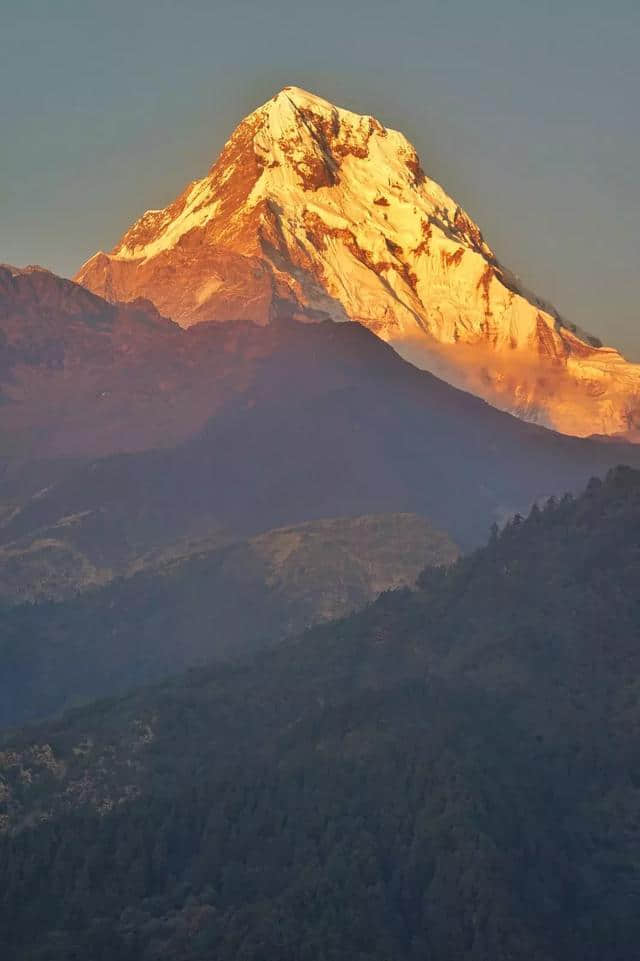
(453, 773)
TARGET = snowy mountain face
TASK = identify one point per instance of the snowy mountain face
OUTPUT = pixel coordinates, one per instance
(324, 213)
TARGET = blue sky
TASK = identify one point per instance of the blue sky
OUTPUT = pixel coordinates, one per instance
(527, 113)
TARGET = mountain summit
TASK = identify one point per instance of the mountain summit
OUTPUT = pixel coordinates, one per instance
(325, 213)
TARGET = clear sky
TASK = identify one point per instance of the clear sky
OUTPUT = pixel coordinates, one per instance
(526, 112)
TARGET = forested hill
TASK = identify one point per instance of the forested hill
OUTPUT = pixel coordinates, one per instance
(451, 774)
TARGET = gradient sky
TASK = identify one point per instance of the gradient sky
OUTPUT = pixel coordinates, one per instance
(526, 112)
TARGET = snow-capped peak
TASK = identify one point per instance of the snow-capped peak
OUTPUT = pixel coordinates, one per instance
(326, 208)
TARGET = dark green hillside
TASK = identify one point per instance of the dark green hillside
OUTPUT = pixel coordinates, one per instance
(451, 774)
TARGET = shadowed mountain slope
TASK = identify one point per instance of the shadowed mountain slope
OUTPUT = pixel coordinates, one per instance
(329, 422)
(202, 601)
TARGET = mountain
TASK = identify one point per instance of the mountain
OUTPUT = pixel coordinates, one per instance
(199, 602)
(124, 434)
(205, 533)
(81, 377)
(450, 774)
(326, 421)
(308, 421)
(334, 564)
(332, 213)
